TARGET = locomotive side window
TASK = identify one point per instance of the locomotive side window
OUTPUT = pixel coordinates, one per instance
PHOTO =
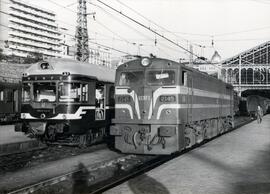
(100, 102)
(26, 95)
(44, 91)
(130, 78)
(184, 78)
(160, 77)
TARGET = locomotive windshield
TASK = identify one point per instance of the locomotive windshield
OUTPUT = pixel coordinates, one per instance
(130, 78)
(44, 91)
(160, 77)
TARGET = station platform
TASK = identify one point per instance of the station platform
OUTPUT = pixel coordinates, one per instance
(13, 142)
(237, 162)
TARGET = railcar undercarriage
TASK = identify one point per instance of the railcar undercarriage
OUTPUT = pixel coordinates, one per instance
(59, 134)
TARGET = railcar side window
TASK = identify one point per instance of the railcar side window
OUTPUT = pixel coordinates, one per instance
(9, 96)
(100, 102)
(70, 92)
(160, 77)
(1, 95)
(44, 91)
(184, 78)
(26, 95)
(130, 78)
(84, 92)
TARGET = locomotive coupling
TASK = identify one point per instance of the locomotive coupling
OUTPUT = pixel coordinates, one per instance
(166, 131)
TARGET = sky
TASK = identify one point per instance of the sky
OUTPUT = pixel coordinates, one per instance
(228, 26)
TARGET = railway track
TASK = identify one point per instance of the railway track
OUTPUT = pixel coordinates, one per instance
(102, 176)
(14, 161)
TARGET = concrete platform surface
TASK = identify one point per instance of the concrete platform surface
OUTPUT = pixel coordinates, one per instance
(8, 135)
(235, 163)
(14, 142)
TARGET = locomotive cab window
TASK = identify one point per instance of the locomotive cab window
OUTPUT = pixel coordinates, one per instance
(160, 77)
(130, 78)
(44, 91)
(100, 102)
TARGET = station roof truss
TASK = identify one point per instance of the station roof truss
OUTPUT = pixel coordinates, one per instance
(249, 70)
(256, 56)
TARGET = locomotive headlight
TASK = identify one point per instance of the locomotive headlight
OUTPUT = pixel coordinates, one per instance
(124, 99)
(66, 73)
(145, 62)
(167, 98)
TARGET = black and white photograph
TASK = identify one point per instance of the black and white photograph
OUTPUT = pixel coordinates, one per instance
(134, 96)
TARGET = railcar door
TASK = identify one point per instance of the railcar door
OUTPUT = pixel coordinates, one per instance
(100, 101)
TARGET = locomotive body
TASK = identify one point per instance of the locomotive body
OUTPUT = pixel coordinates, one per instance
(67, 101)
(163, 107)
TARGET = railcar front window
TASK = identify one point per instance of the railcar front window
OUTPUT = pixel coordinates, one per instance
(44, 92)
(130, 78)
(26, 95)
(71, 92)
(160, 77)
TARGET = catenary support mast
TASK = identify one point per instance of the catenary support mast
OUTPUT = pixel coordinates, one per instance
(82, 48)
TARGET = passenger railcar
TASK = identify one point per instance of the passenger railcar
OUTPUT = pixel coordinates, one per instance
(67, 101)
(253, 101)
(10, 90)
(163, 107)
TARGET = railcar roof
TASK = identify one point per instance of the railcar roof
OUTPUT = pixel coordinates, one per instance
(58, 66)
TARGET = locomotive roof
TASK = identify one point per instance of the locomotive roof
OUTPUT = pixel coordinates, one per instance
(58, 66)
(158, 63)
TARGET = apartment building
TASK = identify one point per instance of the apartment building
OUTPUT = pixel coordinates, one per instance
(26, 29)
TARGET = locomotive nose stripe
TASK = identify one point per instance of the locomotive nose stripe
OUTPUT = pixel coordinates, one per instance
(124, 91)
(125, 106)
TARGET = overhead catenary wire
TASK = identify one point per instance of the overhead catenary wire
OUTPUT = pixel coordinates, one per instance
(133, 28)
(148, 28)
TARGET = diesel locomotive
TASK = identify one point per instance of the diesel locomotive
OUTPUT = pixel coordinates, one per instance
(67, 101)
(162, 107)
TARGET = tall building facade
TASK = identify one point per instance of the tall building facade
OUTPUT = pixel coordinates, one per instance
(27, 29)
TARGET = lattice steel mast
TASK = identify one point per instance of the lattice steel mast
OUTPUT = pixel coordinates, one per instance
(82, 48)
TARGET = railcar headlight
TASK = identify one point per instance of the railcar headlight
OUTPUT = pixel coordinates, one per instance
(145, 62)
(167, 98)
(64, 116)
(124, 99)
(23, 115)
